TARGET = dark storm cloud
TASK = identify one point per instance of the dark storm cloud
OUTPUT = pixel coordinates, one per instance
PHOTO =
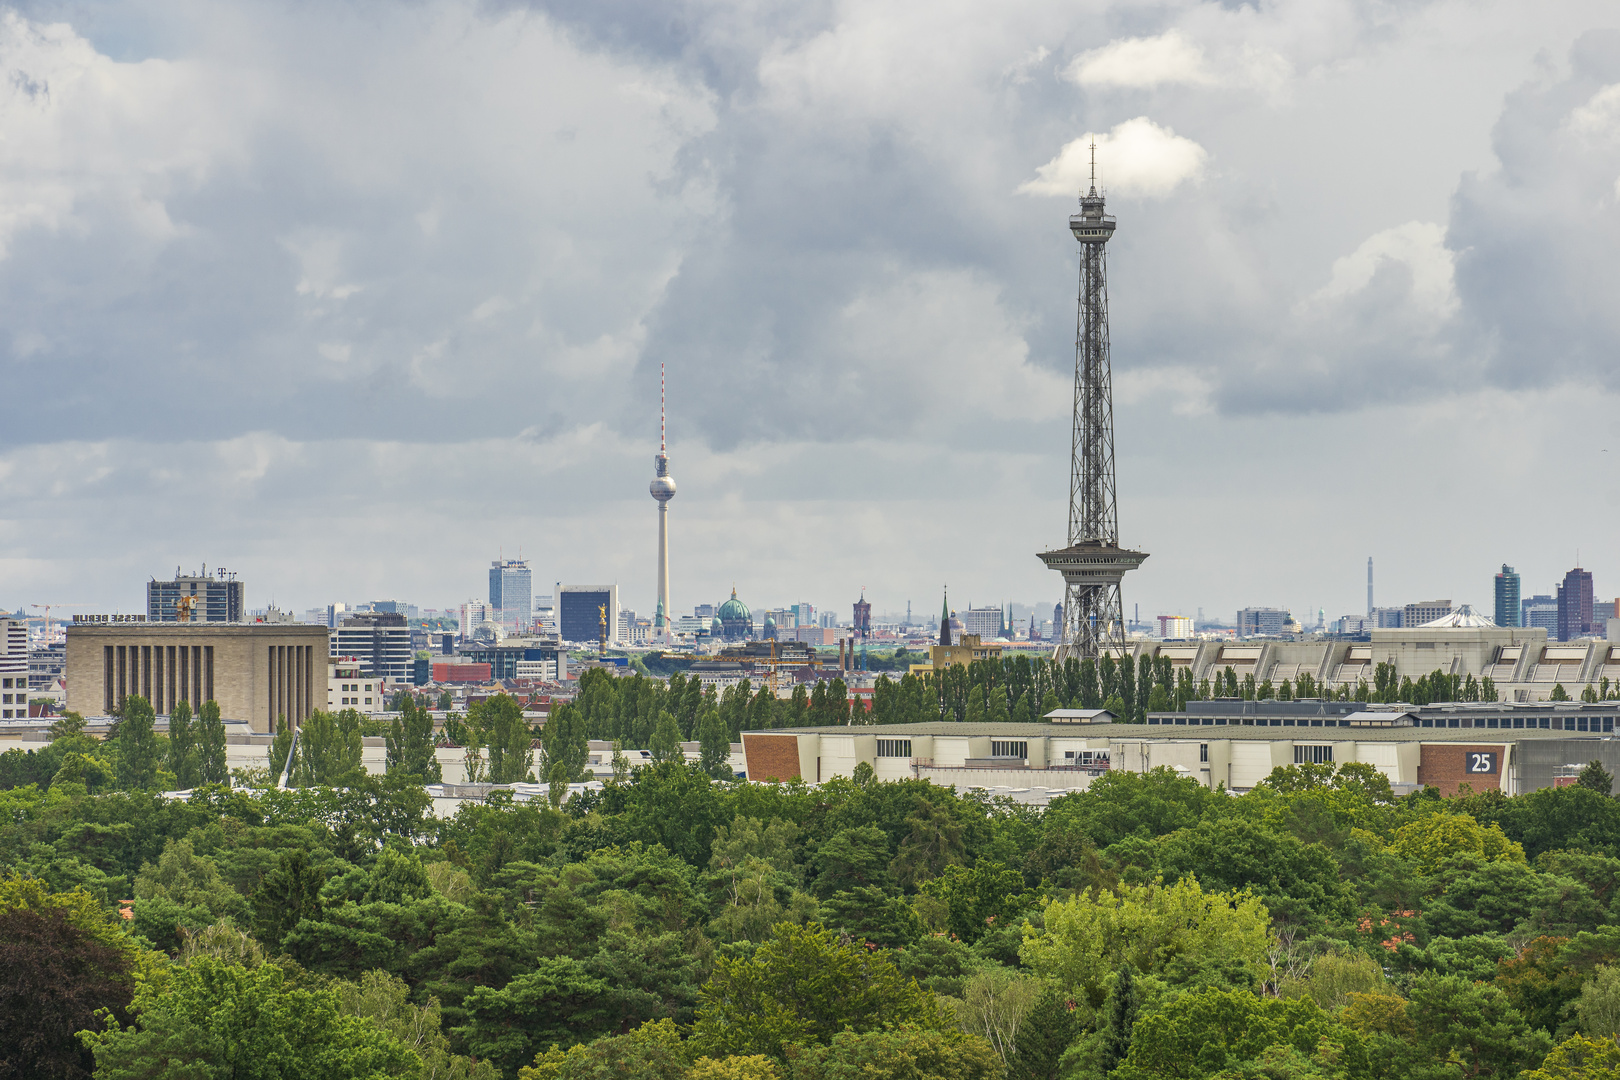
(1539, 238)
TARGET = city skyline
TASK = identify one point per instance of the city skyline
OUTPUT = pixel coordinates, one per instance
(872, 347)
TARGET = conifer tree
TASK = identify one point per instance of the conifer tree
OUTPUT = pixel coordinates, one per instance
(665, 743)
(211, 745)
(1046, 1031)
(182, 746)
(1090, 694)
(1120, 1012)
(409, 743)
(138, 750)
(714, 745)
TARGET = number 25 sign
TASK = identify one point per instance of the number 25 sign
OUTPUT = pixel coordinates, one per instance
(1480, 761)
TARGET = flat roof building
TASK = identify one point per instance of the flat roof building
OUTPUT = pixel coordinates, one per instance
(1262, 621)
(516, 658)
(580, 614)
(196, 598)
(1234, 745)
(13, 669)
(1424, 611)
(380, 641)
(255, 671)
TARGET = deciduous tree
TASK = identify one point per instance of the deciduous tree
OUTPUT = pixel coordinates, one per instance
(803, 986)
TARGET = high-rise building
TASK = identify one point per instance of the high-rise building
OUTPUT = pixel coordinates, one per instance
(511, 594)
(196, 598)
(662, 488)
(1092, 564)
(1175, 627)
(1602, 614)
(1262, 621)
(473, 613)
(984, 621)
(579, 613)
(1507, 597)
(13, 669)
(545, 614)
(1388, 618)
(1540, 610)
(380, 641)
(1425, 611)
(1575, 605)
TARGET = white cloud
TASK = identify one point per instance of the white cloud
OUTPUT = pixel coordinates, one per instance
(1142, 63)
(938, 347)
(1417, 246)
(1137, 157)
(1599, 118)
(77, 127)
(1173, 58)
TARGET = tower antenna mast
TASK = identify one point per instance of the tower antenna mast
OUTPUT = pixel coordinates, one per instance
(662, 488)
(1092, 562)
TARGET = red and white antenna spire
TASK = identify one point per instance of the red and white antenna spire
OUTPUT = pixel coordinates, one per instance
(661, 446)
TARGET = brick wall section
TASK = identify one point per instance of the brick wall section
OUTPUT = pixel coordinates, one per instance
(771, 756)
(1445, 766)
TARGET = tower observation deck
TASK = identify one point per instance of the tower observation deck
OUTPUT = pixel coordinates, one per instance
(1092, 563)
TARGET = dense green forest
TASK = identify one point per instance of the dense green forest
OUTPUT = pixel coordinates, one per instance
(679, 927)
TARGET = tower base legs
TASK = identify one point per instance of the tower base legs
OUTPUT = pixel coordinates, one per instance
(1093, 623)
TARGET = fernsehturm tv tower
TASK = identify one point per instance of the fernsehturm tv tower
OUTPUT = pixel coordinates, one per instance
(663, 489)
(1093, 563)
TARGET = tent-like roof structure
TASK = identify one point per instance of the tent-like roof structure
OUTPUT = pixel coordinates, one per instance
(1464, 618)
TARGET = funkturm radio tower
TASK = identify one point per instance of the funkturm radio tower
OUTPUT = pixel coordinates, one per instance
(662, 488)
(1093, 563)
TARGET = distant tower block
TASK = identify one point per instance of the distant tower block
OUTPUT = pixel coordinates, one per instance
(662, 488)
(1093, 563)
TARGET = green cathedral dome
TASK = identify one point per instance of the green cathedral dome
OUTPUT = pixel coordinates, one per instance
(734, 610)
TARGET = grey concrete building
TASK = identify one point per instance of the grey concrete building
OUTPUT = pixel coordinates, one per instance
(1262, 621)
(1424, 611)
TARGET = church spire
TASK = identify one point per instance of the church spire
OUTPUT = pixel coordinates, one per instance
(945, 620)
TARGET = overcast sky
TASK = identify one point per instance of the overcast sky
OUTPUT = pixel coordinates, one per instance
(353, 297)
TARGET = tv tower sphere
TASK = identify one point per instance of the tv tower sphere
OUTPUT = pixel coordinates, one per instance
(662, 487)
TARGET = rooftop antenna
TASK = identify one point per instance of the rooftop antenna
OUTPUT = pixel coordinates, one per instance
(1094, 166)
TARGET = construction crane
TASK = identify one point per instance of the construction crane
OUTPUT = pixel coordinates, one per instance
(183, 607)
(602, 651)
(47, 609)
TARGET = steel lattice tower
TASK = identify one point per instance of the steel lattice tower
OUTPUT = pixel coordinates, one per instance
(1092, 563)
